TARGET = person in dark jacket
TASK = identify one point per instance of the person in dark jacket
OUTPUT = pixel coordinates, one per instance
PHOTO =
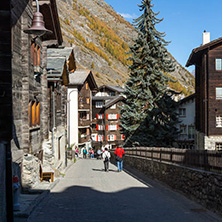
(119, 154)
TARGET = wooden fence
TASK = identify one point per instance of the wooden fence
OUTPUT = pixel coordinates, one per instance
(201, 159)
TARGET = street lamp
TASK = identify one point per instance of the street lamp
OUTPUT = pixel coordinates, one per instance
(38, 24)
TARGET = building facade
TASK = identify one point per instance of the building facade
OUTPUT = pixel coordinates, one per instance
(79, 109)
(186, 126)
(105, 117)
(208, 88)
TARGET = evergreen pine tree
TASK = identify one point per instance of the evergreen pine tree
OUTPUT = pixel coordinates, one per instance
(147, 83)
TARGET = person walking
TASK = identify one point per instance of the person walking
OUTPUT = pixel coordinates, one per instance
(106, 156)
(84, 153)
(119, 154)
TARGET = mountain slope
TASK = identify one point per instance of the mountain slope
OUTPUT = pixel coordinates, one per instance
(101, 37)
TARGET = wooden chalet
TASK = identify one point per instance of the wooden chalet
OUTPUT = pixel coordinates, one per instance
(208, 87)
(105, 124)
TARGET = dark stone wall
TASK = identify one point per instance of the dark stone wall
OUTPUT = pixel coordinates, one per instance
(201, 186)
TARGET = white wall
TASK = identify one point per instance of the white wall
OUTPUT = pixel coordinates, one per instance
(72, 116)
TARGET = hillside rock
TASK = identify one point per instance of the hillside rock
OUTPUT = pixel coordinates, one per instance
(101, 37)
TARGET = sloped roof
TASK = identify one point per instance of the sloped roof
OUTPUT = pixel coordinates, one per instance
(188, 98)
(114, 88)
(199, 50)
(113, 101)
(80, 76)
(56, 63)
(59, 52)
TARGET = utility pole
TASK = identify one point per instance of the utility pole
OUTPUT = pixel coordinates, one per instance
(6, 118)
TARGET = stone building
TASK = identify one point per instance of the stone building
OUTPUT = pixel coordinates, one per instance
(60, 62)
(29, 84)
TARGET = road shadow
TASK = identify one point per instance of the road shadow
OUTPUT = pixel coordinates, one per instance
(82, 203)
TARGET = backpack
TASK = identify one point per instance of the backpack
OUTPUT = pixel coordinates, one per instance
(106, 158)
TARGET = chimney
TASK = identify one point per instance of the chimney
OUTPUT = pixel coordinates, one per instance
(206, 37)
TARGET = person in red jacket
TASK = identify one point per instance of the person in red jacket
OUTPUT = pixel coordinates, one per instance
(119, 154)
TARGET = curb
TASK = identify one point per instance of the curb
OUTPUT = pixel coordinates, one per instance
(26, 213)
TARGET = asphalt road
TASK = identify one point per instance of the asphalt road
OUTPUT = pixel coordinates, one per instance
(88, 193)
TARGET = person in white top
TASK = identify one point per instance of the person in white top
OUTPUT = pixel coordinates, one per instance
(106, 157)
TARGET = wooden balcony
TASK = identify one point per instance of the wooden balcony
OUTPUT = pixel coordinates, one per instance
(84, 122)
(84, 138)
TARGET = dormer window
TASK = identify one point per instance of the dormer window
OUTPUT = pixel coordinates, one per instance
(219, 64)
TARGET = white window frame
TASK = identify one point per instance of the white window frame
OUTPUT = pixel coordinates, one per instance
(218, 64)
(112, 116)
(100, 127)
(218, 121)
(182, 112)
(184, 129)
(111, 137)
(218, 92)
(99, 104)
(100, 137)
(112, 127)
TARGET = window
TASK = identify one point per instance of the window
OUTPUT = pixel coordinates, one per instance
(183, 129)
(219, 146)
(122, 137)
(112, 116)
(111, 93)
(87, 85)
(111, 137)
(219, 121)
(218, 92)
(34, 114)
(99, 104)
(35, 54)
(191, 131)
(218, 64)
(112, 127)
(113, 106)
(182, 112)
(100, 127)
(94, 137)
(87, 100)
(100, 137)
(100, 116)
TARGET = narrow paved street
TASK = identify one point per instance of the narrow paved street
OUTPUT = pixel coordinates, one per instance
(87, 193)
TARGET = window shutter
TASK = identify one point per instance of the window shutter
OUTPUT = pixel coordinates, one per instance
(103, 138)
(114, 137)
(38, 114)
(30, 114)
(107, 138)
(103, 116)
(33, 114)
(97, 138)
(97, 127)
(107, 127)
(117, 126)
(97, 116)
(107, 116)
(117, 115)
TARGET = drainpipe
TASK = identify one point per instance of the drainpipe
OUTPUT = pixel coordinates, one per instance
(53, 117)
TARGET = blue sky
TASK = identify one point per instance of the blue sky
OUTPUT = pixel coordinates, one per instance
(184, 22)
